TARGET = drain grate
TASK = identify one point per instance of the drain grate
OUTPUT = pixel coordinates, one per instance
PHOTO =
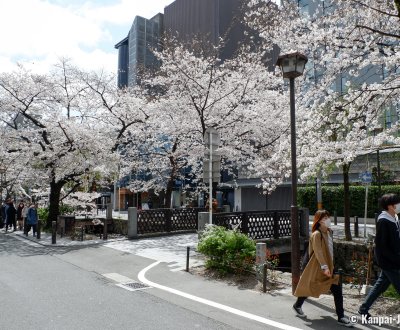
(133, 286)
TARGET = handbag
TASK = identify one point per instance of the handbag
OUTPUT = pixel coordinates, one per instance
(306, 257)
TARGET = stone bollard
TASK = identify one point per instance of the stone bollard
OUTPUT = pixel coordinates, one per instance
(356, 226)
(202, 221)
(132, 223)
(261, 257)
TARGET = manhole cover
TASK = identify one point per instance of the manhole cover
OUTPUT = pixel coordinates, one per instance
(133, 286)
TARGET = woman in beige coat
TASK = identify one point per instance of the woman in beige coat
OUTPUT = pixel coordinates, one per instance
(317, 277)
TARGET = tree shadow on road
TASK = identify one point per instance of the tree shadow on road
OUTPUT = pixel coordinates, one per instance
(10, 245)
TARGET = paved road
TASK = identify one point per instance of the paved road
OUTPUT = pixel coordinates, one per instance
(42, 288)
(84, 287)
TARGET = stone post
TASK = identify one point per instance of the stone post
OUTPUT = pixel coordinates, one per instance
(261, 257)
(202, 221)
(132, 223)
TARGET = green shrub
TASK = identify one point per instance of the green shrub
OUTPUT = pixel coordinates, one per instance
(227, 251)
(332, 198)
(43, 213)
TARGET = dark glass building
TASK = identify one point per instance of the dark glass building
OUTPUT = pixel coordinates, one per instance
(206, 20)
(135, 52)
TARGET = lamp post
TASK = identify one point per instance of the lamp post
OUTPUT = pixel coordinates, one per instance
(292, 66)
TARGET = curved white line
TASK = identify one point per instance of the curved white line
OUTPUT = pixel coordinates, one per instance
(142, 278)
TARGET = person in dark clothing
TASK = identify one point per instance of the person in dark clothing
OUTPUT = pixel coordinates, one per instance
(31, 220)
(11, 214)
(387, 251)
(3, 215)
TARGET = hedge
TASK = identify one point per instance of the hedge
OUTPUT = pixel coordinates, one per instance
(332, 199)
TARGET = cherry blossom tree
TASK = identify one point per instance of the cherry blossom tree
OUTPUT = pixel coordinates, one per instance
(194, 90)
(46, 125)
(352, 77)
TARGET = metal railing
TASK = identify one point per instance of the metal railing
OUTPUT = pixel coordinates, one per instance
(260, 224)
(168, 220)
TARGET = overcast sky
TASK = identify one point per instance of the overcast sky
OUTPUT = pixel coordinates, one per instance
(37, 32)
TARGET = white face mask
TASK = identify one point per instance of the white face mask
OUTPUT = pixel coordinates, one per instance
(397, 208)
(327, 222)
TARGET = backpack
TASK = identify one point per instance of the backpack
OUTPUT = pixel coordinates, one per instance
(306, 257)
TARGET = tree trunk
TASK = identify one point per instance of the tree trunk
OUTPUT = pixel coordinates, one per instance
(54, 201)
(346, 185)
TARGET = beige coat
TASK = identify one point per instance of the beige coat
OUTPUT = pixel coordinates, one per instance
(313, 282)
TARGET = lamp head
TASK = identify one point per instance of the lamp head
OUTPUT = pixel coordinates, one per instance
(292, 65)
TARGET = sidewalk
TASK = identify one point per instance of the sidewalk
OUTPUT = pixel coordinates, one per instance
(46, 239)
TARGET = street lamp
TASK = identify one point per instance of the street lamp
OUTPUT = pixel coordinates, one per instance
(292, 66)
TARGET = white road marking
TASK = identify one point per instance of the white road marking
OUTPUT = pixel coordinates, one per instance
(228, 309)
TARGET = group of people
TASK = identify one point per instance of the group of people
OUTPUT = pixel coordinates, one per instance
(24, 217)
(318, 276)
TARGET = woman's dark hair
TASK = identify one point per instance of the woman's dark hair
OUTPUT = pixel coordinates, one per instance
(318, 216)
(388, 199)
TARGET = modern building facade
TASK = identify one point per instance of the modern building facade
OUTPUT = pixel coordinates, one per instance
(205, 20)
(135, 52)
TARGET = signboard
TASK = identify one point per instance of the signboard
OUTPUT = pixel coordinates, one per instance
(216, 170)
(211, 137)
(366, 177)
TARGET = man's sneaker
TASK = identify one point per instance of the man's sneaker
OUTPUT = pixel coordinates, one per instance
(364, 314)
(299, 311)
(345, 322)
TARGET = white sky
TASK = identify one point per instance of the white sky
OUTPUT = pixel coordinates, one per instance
(37, 32)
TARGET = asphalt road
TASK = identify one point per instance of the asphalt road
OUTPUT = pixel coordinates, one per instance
(65, 288)
(84, 287)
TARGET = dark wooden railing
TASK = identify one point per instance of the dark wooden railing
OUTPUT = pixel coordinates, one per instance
(168, 220)
(255, 224)
(260, 224)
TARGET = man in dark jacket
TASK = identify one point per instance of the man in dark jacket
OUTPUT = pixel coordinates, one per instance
(11, 215)
(387, 251)
(3, 215)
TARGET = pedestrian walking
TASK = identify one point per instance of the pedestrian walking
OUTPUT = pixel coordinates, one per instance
(317, 277)
(31, 220)
(24, 215)
(387, 251)
(20, 208)
(3, 215)
(11, 215)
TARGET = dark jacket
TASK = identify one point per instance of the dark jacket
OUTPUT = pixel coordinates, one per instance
(32, 217)
(387, 242)
(19, 212)
(11, 213)
(3, 211)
